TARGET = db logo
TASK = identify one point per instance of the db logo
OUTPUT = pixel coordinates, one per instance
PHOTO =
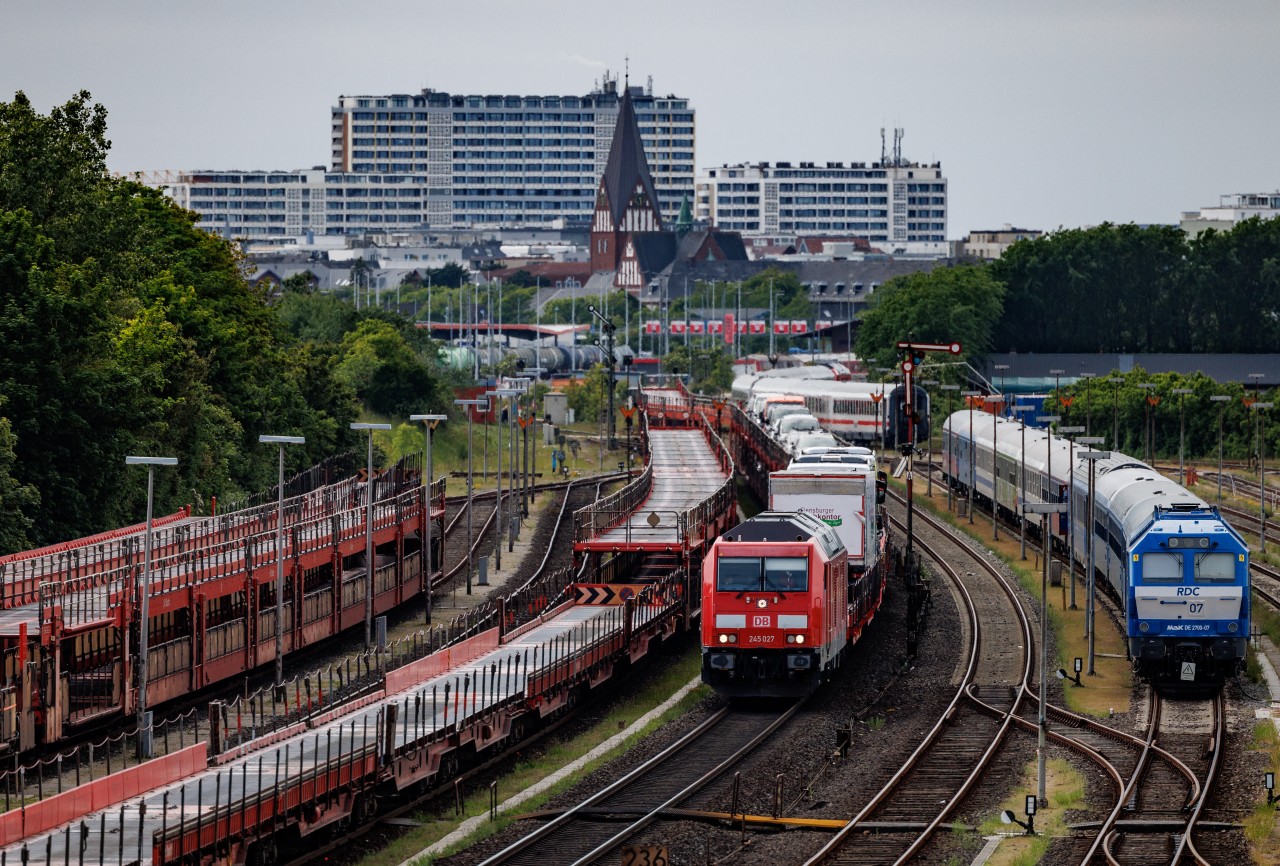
(760, 621)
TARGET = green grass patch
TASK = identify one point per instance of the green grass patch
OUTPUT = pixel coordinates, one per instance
(1260, 824)
(551, 756)
(1266, 619)
(1065, 790)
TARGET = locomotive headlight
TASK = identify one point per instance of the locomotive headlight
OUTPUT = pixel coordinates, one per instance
(733, 638)
(1233, 627)
(1143, 627)
(791, 638)
(799, 638)
(724, 638)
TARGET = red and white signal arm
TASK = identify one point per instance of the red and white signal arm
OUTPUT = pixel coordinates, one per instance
(953, 348)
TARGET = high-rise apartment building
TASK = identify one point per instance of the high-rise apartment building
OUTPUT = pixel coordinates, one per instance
(497, 160)
(895, 205)
(443, 161)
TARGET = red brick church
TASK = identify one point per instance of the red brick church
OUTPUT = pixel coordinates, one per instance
(628, 236)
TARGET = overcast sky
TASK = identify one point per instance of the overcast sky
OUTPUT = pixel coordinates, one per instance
(1043, 114)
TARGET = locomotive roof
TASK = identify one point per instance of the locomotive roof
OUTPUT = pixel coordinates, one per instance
(786, 526)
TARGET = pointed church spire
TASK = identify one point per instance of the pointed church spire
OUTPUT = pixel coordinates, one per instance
(626, 175)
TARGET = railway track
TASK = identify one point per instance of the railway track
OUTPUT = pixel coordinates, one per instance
(671, 777)
(953, 756)
(1160, 793)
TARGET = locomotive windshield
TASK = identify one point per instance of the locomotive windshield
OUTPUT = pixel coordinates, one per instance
(786, 573)
(754, 574)
(1215, 567)
(737, 573)
(1162, 568)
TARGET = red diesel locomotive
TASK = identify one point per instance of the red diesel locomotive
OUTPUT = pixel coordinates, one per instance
(775, 612)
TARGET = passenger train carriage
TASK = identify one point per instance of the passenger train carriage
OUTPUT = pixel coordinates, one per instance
(1180, 572)
(848, 409)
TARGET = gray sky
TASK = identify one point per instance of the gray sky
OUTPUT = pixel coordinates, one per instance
(1043, 114)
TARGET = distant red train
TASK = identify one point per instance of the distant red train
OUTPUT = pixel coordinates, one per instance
(783, 597)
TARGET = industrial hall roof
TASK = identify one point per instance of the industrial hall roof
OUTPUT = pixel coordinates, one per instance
(1034, 367)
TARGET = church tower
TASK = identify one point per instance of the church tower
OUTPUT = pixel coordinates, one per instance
(626, 201)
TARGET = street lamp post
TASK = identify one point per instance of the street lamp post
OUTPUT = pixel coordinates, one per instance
(470, 406)
(930, 383)
(1148, 425)
(1057, 396)
(1021, 410)
(537, 428)
(281, 441)
(1115, 411)
(1044, 509)
(1262, 476)
(969, 397)
(1070, 433)
(507, 394)
(143, 593)
(608, 327)
(995, 464)
(497, 549)
(1001, 369)
(1088, 400)
(1048, 421)
(1222, 400)
(951, 395)
(1182, 431)
(430, 422)
(883, 406)
(1092, 457)
(369, 564)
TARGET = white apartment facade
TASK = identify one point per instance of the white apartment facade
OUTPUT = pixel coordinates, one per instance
(1231, 209)
(489, 161)
(438, 161)
(898, 207)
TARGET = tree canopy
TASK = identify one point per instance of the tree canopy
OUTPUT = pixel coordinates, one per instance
(941, 306)
(125, 330)
(1125, 288)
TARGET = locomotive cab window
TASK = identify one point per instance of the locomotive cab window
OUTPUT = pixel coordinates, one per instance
(1162, 568)
(786, 574)
(737, 573)
(1215, 567)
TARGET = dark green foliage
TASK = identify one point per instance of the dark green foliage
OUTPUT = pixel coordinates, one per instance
(124, 330)
(942, 306)
(449, 276)
(1129, 289)
(1124, 406)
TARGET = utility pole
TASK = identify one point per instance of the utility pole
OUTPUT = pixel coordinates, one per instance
(608, 328)
(914, 353)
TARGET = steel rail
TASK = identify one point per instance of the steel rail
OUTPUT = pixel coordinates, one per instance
(1186, 843)
(693, 737)
(689, 790)
(842, 836)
